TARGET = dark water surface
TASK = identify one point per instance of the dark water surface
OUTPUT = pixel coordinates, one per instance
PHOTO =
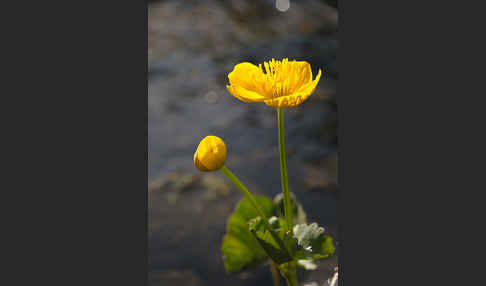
(193, 45)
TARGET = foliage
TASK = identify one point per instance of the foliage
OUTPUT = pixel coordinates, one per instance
(250, 241)
(239, 248)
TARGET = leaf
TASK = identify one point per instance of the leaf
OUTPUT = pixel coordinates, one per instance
(313, 241)
(276, 243)
(299, 215)
(279, 225)
(325, 248)
(306, 234)
(240, 249)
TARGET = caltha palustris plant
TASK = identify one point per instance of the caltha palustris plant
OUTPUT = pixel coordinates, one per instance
(261, 228)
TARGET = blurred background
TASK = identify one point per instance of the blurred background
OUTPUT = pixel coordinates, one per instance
(192, 46)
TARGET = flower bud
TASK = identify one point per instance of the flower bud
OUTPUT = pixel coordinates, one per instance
(210, 154)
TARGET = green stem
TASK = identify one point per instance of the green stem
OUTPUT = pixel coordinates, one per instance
(252, 200)
(244, 190)
(292, 279)
(290, 274)
(283, 169)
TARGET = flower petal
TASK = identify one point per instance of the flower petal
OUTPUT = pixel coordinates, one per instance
(248, 76)
(244, 95)
(287, 101)
(296, 98)
(311, 85)
(297, 74)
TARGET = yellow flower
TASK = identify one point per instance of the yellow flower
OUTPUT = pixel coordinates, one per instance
(282, 84)
(210, 154)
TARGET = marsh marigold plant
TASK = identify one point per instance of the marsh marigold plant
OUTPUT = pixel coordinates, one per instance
(277, 83)
(259, 230)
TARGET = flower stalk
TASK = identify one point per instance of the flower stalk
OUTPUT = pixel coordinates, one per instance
(289, 272)
(283, 169)
(244, 190)
(254, 203)
(291, 278)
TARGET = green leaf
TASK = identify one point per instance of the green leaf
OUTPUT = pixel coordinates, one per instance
(240, 249)
(325, 248)
(298, 215)
(276, 243)
(313, 241)
(280, 225)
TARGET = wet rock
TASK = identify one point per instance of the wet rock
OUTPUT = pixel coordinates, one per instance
(213, 185)
(176, 182)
